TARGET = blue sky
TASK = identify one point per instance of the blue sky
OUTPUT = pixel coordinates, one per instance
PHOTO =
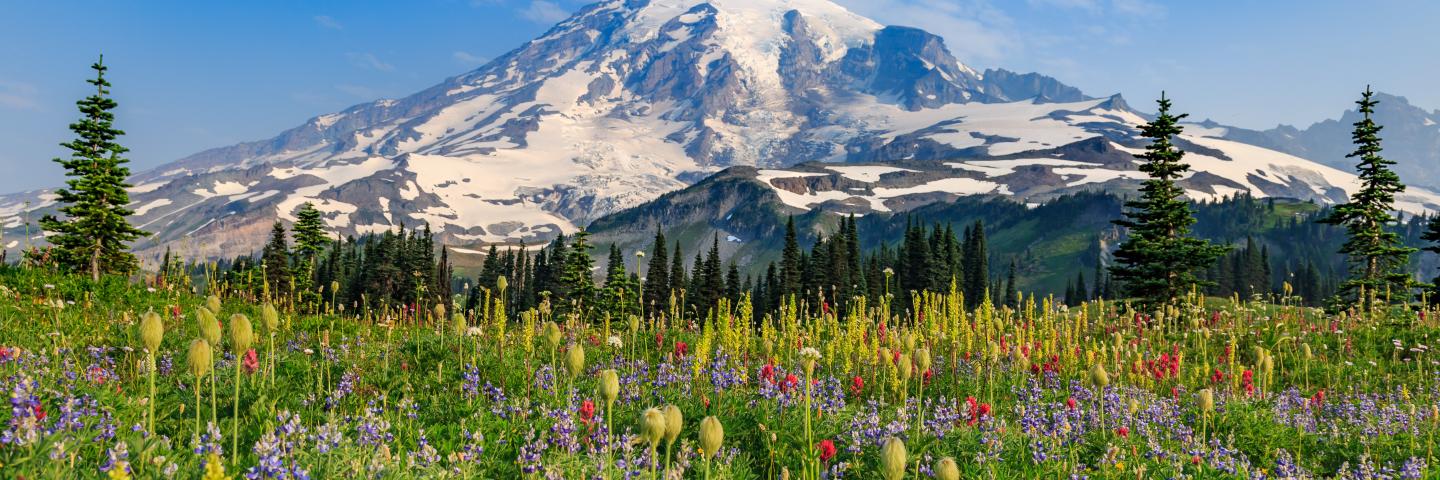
(194, 75)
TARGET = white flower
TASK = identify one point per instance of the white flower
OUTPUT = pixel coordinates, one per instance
(810, 353)
(614, 341)
(49, 286)
(150, 289)
(474, 331)
(309, 352)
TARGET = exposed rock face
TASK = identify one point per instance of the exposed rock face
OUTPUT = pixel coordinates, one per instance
(630, 99)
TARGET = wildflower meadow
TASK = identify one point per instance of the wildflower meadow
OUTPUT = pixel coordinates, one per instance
(120, 380)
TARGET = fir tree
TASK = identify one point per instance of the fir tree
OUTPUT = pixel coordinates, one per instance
(1012, 291)
(1432, 236)
(276, 258)
(93, 235)
(790, 268)
(1376, 256)
(678, 278)
(309, 229)
(578, 269)
(1158, 261)
(977, 266)
(657, 278)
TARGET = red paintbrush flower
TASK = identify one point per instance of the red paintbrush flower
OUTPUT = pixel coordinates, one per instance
(827, 450)
(587, 411)
(250, 362)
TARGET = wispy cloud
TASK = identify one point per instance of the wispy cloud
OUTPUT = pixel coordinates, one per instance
(544, 11)
(974, 29)
(468, 59)
(359, 91)
(326, 21)
(369, 61)
(19, 95)
(1135, 8)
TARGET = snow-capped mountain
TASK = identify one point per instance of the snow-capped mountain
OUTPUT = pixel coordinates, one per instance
(1411, 139)
(629, 99)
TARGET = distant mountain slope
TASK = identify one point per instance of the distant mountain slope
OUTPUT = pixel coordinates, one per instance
(630, 99)
(1411, 138)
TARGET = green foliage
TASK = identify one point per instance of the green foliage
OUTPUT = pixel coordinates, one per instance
(93, 235)
(1377, 256)
(1159, 260)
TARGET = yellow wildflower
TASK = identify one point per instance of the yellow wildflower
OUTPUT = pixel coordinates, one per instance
(214, 468)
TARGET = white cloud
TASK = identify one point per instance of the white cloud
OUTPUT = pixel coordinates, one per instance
(468, 59)
(369, 60)
(974, 30)
(544, 11)
(19, 96)
(325, 21)
(1139, 8)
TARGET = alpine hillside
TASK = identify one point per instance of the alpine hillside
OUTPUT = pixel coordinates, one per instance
(629, 99)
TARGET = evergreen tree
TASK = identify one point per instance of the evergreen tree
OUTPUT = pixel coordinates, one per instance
(657, 278)
(733, 287)
(678, 278)
(1159, 259)
(93, 235)
(310, 238)
(578, 269)
(977, 266)
(615, 273)
(276, 258)
(1376, 256)
(790, 268)
(1012, 291)
(1432, 236)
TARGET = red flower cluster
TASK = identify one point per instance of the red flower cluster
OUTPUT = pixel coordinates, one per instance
(1167, 366)
(857, 385)
(1318, 400)
(977, 410)
(1217, 376)
(251, 362)
(827, 450)
(1123, 432)
(681, 348)
(1247, 380)
(767, 372)
(587, 411)
(790, 382)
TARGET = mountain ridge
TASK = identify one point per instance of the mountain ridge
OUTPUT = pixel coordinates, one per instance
(630, 99)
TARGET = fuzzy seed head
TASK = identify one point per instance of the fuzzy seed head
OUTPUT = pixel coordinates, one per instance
(893, 458)
(575, 360)
(242, 334)
(1099, 376)
(200, 358)
(609, 386)
(674, 421)
(270, 317)
(152, 330)
(712, 435)
(1207, 400)
(209, 325)
(652, 426)
(947, 469)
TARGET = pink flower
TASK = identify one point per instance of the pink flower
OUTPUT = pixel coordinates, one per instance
(250, 362)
